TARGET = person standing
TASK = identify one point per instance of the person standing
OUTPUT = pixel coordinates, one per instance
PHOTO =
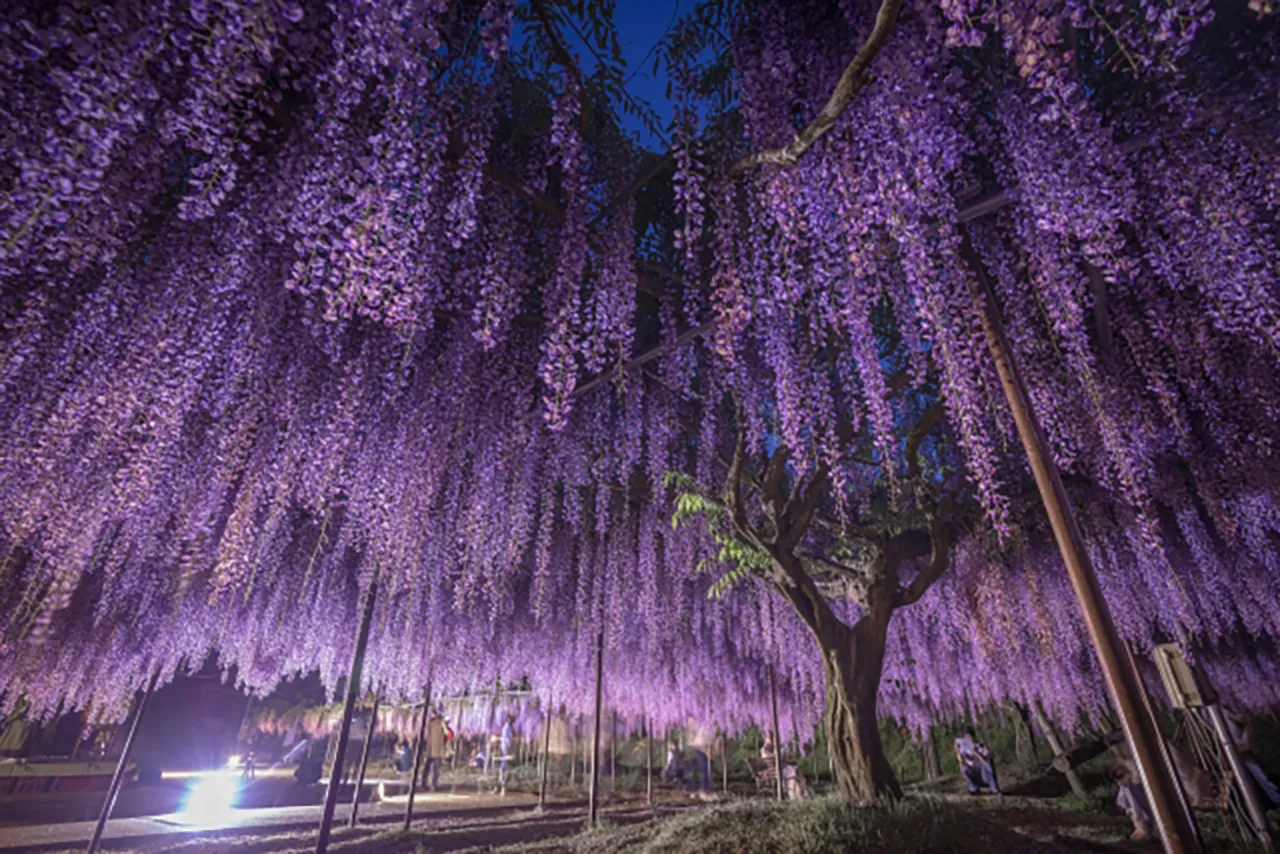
(437, 740)
(699, 739)
(1130, 798)
(975, 763)
(250, 771)
(673, 770)
(505, 742)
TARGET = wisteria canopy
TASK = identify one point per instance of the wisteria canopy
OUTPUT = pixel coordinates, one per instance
(296, 298)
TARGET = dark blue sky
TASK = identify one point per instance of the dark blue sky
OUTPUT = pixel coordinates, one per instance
(640, 23)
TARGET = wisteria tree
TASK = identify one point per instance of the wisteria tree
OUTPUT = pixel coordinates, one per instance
(777, 526)
(765, 517)
(300, 301)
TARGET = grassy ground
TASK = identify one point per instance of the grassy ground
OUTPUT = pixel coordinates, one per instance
(938, 817)
(938, 824)
(816, 826)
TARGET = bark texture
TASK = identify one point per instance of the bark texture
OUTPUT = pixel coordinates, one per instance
(853, 665)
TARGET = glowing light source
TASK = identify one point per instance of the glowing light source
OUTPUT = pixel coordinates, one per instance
(212, 800)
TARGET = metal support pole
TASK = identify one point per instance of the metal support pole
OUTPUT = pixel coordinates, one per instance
(364, 762)
(417, 756)
(348, 711)
(593, 794)
(1177, 827)
(777, 742)
(613, 754)
(648, 762)
(546, 755)
(117, 779)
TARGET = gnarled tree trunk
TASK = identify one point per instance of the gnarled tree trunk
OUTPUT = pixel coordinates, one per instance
(853, 660)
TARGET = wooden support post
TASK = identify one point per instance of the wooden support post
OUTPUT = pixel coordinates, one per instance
(546, 755)
(117, 779)
(364, 762)
(1051, 736)
(1173, 820)
(777, 741)
(1244, 780)
(648, 761)
(348, 710)
(724, 761)
(593, 794)
(573, 757)
(418, 752)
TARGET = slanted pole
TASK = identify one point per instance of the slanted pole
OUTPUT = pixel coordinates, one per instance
(117, 779)
(648, 763)
(417, 755)
(546, 755)
(1253, 804)
(593, 794)
(777, 741)
(348, 711)
(1051, 736)
(1176, 826)
(1244, 780)
(364, 762)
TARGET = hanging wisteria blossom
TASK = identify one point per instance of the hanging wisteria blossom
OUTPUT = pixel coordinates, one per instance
(300, 301)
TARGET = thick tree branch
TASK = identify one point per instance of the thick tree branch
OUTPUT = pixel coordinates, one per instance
(932, 414)
(799, 588)
(940, 545)
(851, 82)
(840, 568)
(771, 484)
(795, 523)
(733, 483)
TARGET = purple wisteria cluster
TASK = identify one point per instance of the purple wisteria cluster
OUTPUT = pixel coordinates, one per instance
(289, 312)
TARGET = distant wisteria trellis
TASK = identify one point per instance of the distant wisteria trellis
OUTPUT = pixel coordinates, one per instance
(279, 321)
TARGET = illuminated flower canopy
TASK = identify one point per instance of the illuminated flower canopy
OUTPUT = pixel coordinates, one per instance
(296, 297)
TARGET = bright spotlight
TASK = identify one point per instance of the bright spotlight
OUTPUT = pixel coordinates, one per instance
(211, 800)
(234, 761)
